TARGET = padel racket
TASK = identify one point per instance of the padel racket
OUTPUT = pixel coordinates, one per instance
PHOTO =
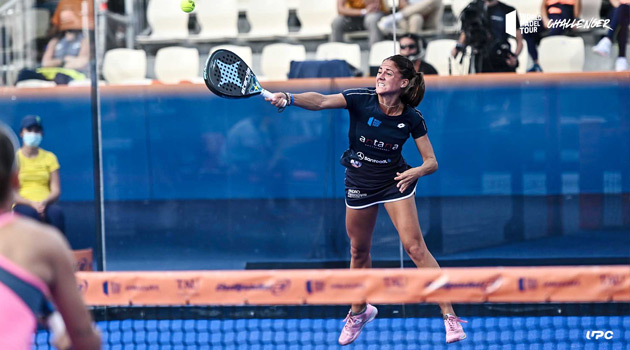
(227, 75)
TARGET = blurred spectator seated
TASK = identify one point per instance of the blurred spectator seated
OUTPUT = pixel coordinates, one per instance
(557, 11)
(67, 54)
(619, 20)
(76, 7)
(412, 47)
(38, 172)
(358, 15)
(414, 16)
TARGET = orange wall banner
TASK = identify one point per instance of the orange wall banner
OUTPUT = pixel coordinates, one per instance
(380, 286)
(83, 259)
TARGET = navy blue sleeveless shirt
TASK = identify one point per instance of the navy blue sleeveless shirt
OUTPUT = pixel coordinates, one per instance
(376, 139)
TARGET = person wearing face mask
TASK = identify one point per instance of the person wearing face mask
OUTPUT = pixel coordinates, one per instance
(39, 177)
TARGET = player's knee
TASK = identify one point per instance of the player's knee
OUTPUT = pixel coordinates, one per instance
(416, 250)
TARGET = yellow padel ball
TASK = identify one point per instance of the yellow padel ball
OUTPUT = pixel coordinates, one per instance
(187, 5)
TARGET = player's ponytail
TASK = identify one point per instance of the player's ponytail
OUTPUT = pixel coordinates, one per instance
(413, 93)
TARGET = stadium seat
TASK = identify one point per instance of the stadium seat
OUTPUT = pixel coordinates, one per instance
(244, 52)
(167, 21)
(276, 60)
(438, 53)
(523, 58)
(174, 64)
(315, 17)
(218, 20)
(35, 83)
(125, 66)
(380, 51)
(351, 53)
(268, 19)
(561, 53)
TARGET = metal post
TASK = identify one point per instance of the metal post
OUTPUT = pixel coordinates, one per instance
(97, 150)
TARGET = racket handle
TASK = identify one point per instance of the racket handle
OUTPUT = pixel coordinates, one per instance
(267, 94)
(56, 324)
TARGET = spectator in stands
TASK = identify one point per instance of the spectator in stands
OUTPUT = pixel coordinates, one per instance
(358, 15)
(76, 6)
(620, 19)
(496, 55)
(413, 17)
(555, 10)
(67, 54)
(38, 171)
(412, 47)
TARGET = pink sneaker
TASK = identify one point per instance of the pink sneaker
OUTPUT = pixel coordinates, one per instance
(454, 330)
(354, 324)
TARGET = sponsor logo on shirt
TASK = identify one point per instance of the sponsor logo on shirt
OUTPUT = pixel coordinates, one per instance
(401, 125)
(379, 145)
(374, 122)
(372, 160)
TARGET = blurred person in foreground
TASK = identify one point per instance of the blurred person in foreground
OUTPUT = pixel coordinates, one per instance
(355, 15)
(382, 118)
(412, 47)
(483, 29)
(36, 267)
(67, 54)
(38, 171)
(620, 19)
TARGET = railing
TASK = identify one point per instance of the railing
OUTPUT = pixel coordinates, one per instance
(18, 29)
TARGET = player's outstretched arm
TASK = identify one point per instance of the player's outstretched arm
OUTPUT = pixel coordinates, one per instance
(312, 101)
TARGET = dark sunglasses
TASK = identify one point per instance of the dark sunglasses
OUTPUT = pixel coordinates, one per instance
(410, 46)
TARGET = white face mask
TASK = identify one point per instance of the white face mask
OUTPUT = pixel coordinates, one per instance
(32, 139)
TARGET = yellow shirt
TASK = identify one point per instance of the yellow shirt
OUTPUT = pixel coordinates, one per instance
(34, 174)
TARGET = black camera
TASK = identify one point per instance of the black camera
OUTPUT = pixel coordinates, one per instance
(476, 26)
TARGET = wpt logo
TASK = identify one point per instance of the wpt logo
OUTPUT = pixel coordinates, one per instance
(529, 24)
(533, 23)
(599, 334)
(374, 122)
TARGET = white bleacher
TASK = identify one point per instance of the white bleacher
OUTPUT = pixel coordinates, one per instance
(169, 24)
(560, 54)
(276, 60)
(381, 50)
(218, 20)
(125, 66)
(268, 20)
(351, 53)
(175, 64)
(315, 17)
